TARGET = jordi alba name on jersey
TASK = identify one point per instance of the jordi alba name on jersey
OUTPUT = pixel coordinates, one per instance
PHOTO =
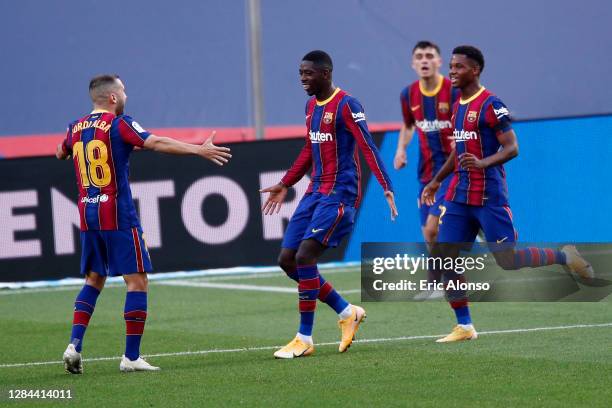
(476, 123)
(100, 144)
(335, 128)
(430, 113)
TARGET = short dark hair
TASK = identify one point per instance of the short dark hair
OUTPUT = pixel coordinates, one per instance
(426, 44)
(320, 59)
(471, 53)
(101, 83)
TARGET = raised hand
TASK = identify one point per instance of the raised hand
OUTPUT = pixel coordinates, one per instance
(216, 154)
(469, 161)
(277, 195)
(428, 196)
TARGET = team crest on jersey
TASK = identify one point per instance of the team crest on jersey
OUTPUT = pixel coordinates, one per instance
(328, 118)
(471, 116)
(443, 107)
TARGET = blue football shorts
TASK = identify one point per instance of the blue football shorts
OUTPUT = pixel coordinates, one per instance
(113, 253)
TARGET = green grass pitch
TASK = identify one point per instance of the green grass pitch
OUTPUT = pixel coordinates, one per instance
(552, 367)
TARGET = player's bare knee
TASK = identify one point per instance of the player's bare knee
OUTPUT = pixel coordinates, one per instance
(137, 282)
(505, 261)
(305, 258)
(95, 280)
(430, 234)
(286, 262)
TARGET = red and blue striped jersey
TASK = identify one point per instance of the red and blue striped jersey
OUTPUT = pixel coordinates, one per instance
(430, 112)
(100, 144)
(335, 128)
(476, 123)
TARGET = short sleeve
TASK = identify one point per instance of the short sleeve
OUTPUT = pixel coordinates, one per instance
(498, 116)
(131, 132)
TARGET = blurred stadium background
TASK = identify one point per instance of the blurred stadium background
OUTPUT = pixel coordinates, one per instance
(194, 66)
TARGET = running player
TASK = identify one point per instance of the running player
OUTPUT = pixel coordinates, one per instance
(426, 105)
(100, 144)
(336, 125)
(477, 197)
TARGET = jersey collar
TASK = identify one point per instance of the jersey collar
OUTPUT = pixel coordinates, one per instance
(471, 98)
(425, 92)
(321, 103)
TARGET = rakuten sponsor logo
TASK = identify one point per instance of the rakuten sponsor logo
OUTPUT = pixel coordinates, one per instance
(463, 135)
(319, 137)
(433, 125)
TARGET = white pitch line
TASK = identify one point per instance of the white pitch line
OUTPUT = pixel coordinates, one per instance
(263, 348)
(233, 286)
(238, 286)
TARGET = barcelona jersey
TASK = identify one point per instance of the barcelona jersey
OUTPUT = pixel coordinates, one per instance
(100, 144)
(476, 123)
(430, 112)
(335, 127)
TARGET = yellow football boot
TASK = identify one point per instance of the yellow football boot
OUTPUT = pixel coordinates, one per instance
(459, 334)
(576, 263)
(296, 348)
(349, 326)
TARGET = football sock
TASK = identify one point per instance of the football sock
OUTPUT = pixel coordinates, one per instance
(462, 312)
(534, 257)
(333, 299)
(135, 315)
(327, 293)
(308, 288)
(346, 312)
(305, 339)
(83, 309)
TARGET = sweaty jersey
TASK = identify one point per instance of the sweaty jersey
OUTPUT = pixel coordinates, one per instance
(476, 123)
(100, 144)
(430, 112)
(335, 128)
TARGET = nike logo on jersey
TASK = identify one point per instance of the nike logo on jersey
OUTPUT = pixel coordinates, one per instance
(415, 107)
(499, 241)
(315, 230)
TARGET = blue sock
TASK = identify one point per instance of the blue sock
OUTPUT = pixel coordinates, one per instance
(84, 306)
(463, 314)
(329, 295)
(135, 315)
(308, 288)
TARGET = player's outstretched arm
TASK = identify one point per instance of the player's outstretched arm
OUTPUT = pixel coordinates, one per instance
(277, 195)
(405, 137)
(208, 150)
(508, 152)
(428, 196)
